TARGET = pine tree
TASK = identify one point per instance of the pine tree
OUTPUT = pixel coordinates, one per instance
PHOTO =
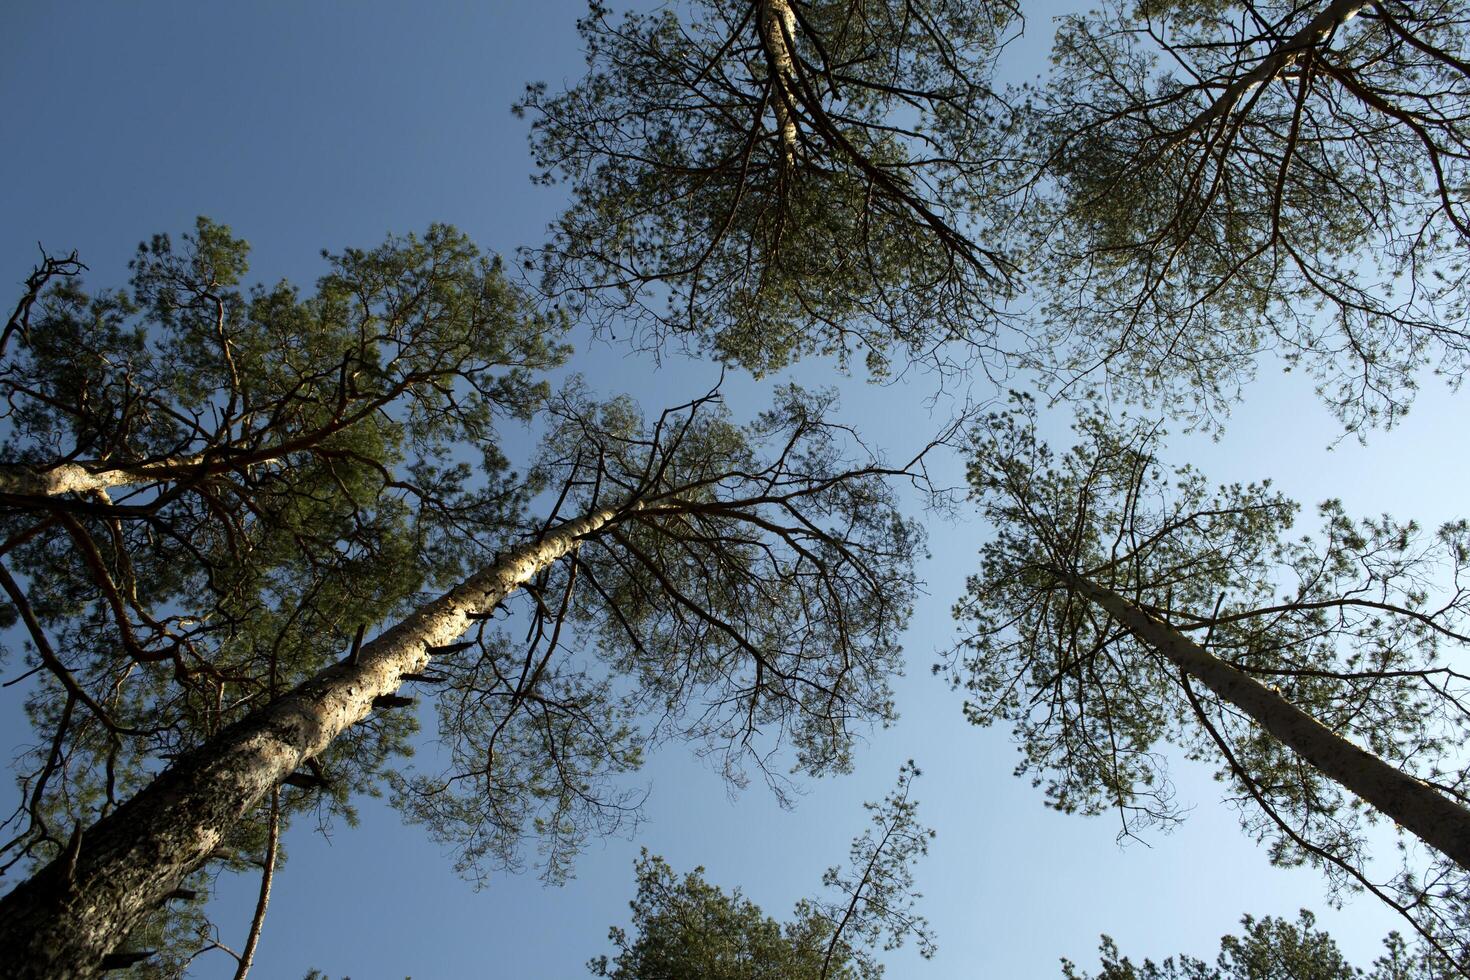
(686, 927)
(742, 586)
(1215, 181)
(1120, 606)
(208, 491)
(772, 178)
(1269, 948)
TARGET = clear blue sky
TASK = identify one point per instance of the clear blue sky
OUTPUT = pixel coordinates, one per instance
(311, 125)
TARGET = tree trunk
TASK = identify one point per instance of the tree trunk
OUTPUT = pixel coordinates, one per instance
(778, 29)
(1422, 810)
(61, 922)
(86, 477)
(1318, 29)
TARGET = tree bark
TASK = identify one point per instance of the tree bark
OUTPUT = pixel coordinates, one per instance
(1317, 30)
(80, 907)
(778, 29)
(1423, 811)
(89, 476)
(86, 477)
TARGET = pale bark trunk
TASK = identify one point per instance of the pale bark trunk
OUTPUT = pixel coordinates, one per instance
(61, 922)
(1317, 30)
(778, 28)
(87, 477)
(1419, 808)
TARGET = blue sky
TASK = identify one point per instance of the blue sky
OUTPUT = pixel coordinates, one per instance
(326, 124)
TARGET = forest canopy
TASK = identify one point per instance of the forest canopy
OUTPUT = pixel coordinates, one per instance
(261, 542)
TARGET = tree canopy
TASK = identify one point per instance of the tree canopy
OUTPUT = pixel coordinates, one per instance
(1270, 947)
(1120, 606)
(767, 179)
(686, 927)
(208, 491)
(1219, 181)
(742, 586)
(1189, 189)
(235, 523)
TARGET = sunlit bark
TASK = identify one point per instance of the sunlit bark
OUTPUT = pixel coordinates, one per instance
(1318, 29)
(778, 30)
(65, 919)
(84, 478)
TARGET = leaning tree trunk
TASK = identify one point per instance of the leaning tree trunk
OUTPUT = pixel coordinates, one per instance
(76, 910)
(1413, 804)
